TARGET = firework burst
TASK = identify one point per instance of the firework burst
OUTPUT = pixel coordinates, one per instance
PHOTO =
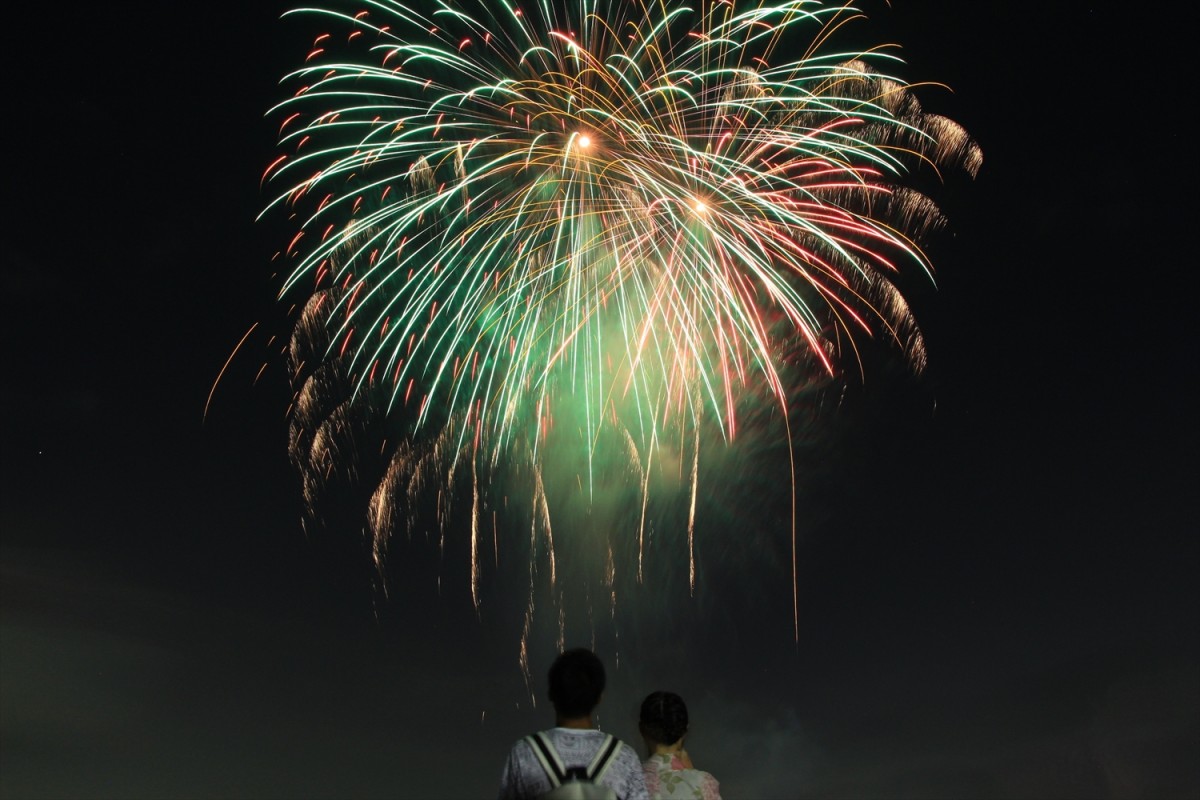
(524, 231)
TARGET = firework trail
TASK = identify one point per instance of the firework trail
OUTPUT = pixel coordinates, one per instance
(538, 246)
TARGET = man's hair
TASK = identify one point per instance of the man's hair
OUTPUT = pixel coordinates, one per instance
(576, 683)
(664, 717)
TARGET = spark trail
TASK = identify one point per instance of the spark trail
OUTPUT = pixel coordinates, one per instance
(538, 247)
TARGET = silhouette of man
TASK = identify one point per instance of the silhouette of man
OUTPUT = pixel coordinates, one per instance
(576, 685)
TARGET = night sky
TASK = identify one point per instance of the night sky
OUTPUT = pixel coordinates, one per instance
(994, 559)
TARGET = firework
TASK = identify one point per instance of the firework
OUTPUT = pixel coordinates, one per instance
(601, 234)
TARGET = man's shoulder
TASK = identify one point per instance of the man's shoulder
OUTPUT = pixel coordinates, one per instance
(592, 738)
(573, 744)
(580, 743)
(626, 753)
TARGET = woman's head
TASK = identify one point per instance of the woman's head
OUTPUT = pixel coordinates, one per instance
(664, 718)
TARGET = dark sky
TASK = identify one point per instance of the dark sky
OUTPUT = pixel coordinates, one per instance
(994, 561)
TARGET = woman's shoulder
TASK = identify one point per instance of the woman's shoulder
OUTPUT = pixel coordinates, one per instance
(709, 787)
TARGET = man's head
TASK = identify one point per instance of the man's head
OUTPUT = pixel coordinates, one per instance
(576, 683)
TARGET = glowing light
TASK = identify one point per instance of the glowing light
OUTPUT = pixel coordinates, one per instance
(748, 220)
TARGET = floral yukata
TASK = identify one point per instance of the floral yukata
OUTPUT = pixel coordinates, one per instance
(667, 777)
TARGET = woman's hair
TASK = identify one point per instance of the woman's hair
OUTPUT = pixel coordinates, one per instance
(664, 717)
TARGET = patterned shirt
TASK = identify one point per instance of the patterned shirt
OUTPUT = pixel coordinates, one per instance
(524, 777)
(667, 777)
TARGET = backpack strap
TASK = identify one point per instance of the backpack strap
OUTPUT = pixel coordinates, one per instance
(552, 763)
(543, 748)
(604, 757)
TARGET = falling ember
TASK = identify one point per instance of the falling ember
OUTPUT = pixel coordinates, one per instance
(692, 518)
(474, 536)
